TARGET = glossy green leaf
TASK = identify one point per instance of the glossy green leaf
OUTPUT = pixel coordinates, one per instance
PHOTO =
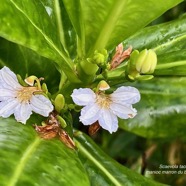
(69, 35)
(106, 23)
(172, 63)
(103, 170)
(161, 110)
(15, 56)
(74, 10)
(169, 42)
(28, 160)
(163, 38)
(35, 27)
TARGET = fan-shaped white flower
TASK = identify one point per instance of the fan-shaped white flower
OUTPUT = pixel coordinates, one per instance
(19, 100)
(105, 108)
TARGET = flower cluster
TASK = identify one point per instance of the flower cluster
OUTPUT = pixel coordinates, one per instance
(98, 106)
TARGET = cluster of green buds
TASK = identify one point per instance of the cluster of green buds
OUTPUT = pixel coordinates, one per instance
(87, 68)
(141, 65)
(99, 58)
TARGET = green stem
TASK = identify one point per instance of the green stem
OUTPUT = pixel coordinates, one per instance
(171, 64)
(62, 80)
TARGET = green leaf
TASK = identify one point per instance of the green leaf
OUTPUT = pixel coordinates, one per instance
(67, 29)
(73, 8)
(168, 41)
(163, 38)
(103, 170)
(28, 160)
(24, 61)
(35, 27)
(172, 63)
(161, 110)
(106, 23)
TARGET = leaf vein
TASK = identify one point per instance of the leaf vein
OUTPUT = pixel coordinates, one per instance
(43, 34)
(22, 163)
(101, 167)
(109, 25)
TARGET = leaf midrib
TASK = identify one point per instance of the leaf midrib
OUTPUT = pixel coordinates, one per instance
(100, 166)
(109, 25)
(23, 160)
(45, 36)
(66, 63)
(169, 43)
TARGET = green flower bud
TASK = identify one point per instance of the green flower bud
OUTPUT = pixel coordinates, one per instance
(59, 103)
(103, 85)
(86, 71)
(141, 63)
(99, 57)
(146, 62)
(131, 67)
(21, 81)
(30, 80)
(61, 121)
(87, 67)
(44, 88)
(133, 59)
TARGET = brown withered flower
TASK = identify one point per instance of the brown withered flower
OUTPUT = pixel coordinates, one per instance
(52, 129)
(119, 56)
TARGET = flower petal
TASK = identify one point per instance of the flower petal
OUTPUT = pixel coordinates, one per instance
(90, 114)
(8, 79)
(6, 94)
(123, 111)
(83, 96)
(41, 105)
(7, 107)
(128, 95)
(108, 120)
(22, 112)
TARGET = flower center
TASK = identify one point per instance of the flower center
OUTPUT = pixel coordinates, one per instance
(103, 100)
(25, 94)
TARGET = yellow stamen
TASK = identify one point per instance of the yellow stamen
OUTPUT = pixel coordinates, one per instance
(103, 100)
(25, 94)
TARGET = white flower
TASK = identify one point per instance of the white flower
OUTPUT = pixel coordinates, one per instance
(18, 100)
(106, 108)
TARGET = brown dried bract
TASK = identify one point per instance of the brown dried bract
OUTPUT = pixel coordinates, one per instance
(53, 129)
(47, 131)
(120, 56)
(93, 128)
(66, 139)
